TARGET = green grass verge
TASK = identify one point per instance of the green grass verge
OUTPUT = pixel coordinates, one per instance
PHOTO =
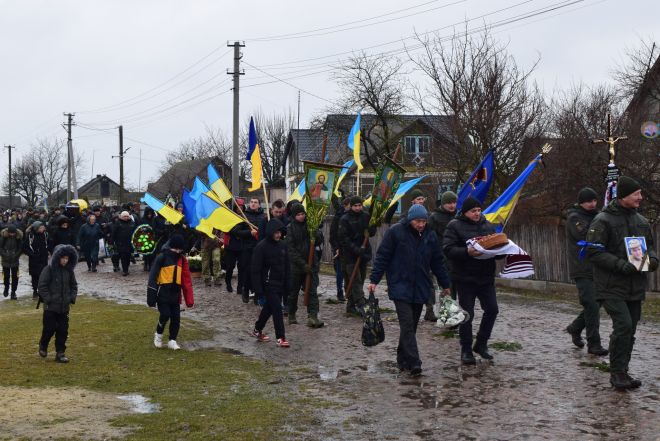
(510, 346)
(600, 365)
(202, 395)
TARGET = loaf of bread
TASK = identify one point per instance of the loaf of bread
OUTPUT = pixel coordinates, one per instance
(493, 241)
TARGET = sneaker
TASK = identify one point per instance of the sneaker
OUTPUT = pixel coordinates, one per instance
(283, 343)
(415, 371)
(172, 344)
(158, 340)
(598, 351)
(260, 336)
(43, 352)
(61, 358)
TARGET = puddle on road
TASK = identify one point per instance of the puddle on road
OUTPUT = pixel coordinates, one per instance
(140, 403)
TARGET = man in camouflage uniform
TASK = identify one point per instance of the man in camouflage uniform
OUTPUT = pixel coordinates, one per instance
(620, 286)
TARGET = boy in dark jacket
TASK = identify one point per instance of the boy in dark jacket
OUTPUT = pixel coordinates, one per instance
(58, 290)
(35, 246)
(11, 248)
(270, 280)
(169, 282)
(408, 254)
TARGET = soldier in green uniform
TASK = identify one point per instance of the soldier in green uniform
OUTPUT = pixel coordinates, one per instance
(620, 287)
(297, 240)
(577, 224)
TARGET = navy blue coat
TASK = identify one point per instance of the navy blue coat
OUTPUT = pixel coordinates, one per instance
(408, 258)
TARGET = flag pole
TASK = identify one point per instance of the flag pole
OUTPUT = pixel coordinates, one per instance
(312, 240)
(263, 185)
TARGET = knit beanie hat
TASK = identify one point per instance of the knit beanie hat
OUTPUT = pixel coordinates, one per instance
(36, 225)
(177, 242)
(417, 211)
(416, 193)
(448, 197)
(586, 195)
(356, 200)
(297, 209)
(469, 204)
(626, 186)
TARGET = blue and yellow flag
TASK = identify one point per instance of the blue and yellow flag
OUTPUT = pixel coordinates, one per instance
(189, 208)
(299, 194)
(254, 156)
(500, 210)
(214, 215)
(169, 213)
(478, 184)
(404, 188)
(354, 141)
(217, 184)
(344, 170)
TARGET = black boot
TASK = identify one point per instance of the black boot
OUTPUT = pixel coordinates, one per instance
(598, 350)
(481, 348)
(340, 296)
(13, 295)
(228, 284)
(634, 383)
(430, 315)
(6, 293)
(245, 295)
(43, 352)
(467, 357)
(576, 337)
(61, 358)
(620, 380)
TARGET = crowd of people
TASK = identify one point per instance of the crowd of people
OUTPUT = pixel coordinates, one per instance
(276, 262)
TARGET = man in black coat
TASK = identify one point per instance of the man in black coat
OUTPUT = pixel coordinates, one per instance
(270, 280)
(249, 237)
(581, 270)
(340, 210)
(474, 278)
(352, 228)
(35, 246)
(122, 234)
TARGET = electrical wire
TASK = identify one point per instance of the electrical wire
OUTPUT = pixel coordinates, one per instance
(286, 82)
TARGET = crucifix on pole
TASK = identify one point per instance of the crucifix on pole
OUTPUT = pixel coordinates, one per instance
(612, 172)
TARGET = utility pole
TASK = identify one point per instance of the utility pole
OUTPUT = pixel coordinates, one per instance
(121, 163)
(11, 196)
(70, 165)
(235, 166)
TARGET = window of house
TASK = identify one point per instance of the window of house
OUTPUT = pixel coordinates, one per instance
(417, 144)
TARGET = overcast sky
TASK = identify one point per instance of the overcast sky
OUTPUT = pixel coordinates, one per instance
(134, 62)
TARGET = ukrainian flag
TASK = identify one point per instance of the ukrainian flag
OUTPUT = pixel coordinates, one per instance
(354, 141)
(299, 194)
(254, 156)
(345, 168)
(404, 188)
(217, 184)
(214, 215)
(189, 208)
(192, 207)
(499, 211)
(169, 213)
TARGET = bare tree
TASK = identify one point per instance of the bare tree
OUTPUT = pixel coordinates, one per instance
(24, 179)
(493, 100)
(272, 132)
(213, 144)
(376, 85)
(634, 71)
(51, 163)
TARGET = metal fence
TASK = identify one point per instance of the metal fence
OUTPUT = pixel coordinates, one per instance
(545, 243)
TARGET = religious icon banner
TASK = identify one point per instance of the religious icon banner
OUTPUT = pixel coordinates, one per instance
(386, 182)
(320, 181)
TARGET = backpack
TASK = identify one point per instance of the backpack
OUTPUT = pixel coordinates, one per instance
(372, 328)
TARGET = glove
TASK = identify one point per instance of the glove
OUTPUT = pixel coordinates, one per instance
(653, 264)
(628, 269)
(308, 269)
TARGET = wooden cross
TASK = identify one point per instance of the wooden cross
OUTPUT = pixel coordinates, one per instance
(610, 140)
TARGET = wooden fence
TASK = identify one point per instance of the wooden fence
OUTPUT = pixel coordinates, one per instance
(545, 243)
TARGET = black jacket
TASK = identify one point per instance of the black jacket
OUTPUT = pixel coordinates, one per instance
(11, 248)
(122, 234)
(270, 263)
(297, 240)
(465, 268)
(35, 246)
(609, 228)
(334, 227)
(58, 287)
(577, 225)
(351, 235)
(439, 219)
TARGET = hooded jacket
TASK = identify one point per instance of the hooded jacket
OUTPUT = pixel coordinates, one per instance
(58, 287)
(351, 235)
(11, 248)
(609, 228)
(270, 262)
(408, 257)
(169, 280)
(297, 240)
(465, 268)
(35, 246)
(577, 225)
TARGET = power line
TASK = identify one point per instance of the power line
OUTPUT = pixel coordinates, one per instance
(286, 82)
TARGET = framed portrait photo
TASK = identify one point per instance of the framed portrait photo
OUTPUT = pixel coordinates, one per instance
(637, 252)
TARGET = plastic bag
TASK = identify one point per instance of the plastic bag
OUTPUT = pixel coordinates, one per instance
(449, 313)
(372, 328)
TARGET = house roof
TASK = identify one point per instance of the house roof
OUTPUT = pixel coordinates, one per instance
(651, 81)
(87, 186)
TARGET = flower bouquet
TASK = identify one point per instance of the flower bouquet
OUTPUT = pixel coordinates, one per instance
(195, 263)
(449, 313)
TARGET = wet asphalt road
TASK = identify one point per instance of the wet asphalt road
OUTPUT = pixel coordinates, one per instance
(548, 390)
